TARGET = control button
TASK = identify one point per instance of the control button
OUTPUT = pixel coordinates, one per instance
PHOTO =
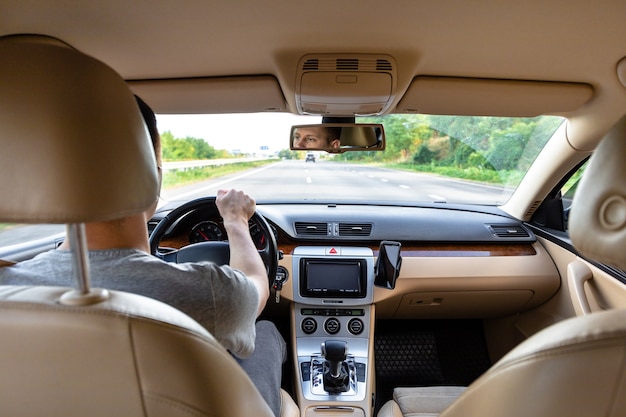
(309, 325)
(332, 326)
(355, 326)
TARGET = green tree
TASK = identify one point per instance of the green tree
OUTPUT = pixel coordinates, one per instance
(189, 148)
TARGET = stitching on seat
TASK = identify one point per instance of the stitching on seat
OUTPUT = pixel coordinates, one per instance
(131, 339)
(123, 315)
(185, 408)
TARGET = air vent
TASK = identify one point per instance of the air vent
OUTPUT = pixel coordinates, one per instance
(311, 65)
(532, 208)
(383, 65)
(152, 224)
(355, 229)
(311, 229)
(506, 231)
(348, 64)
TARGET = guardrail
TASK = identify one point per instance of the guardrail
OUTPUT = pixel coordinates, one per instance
(175, 165)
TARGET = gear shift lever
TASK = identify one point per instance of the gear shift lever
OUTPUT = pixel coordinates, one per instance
(335, 353)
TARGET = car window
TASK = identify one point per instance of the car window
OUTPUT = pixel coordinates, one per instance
(568, 190)
(443, 159)
(428, 159)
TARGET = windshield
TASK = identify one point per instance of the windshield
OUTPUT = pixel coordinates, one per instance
(428, 159)
(443, 159)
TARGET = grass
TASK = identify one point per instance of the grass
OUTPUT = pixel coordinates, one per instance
(4, 226)
(469, 173)
(177, 178)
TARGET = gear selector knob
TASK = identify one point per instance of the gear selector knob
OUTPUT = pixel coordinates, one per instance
(335, 352)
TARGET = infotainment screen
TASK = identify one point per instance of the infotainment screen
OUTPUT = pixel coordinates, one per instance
(336, 278)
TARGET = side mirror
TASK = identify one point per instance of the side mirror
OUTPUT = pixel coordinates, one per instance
(387, 268)
(337, 137)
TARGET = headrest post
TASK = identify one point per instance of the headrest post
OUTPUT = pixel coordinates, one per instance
(83, 295)
(78, 244)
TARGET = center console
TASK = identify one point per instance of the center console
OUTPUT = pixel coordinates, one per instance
(333, 318)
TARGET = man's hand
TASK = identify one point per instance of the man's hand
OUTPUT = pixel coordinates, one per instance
(236, 208)
(235, 205)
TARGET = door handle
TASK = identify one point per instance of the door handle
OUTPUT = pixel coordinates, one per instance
(577, 274)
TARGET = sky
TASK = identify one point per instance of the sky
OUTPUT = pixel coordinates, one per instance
(245, 133)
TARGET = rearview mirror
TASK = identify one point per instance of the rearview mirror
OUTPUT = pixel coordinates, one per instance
(337, 137)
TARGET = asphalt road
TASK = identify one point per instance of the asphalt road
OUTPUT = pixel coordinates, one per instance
(330, 180)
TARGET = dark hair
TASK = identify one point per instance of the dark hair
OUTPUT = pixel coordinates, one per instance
(333, 133)
(151, 123)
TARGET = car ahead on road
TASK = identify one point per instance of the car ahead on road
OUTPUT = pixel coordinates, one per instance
(427, 254)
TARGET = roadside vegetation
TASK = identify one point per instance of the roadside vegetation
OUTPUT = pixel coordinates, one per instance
(486, 149)
(176, 178)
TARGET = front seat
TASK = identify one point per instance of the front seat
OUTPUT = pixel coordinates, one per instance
(74, 149)
(576, 367)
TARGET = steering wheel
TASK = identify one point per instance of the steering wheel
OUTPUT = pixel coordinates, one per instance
(217, 252)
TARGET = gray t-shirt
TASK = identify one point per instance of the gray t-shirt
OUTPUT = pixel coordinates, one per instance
(222, 299)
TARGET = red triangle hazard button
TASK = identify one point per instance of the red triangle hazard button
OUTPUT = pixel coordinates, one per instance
(332, 251)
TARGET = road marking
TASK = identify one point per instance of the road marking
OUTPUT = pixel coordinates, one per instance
(208, 187)
(437, 197)
(309, 180)
(384, 180)
(406, 187)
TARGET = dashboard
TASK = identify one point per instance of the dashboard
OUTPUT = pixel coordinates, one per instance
(457, 261)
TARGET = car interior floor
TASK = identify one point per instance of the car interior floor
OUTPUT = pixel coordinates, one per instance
(411, 353)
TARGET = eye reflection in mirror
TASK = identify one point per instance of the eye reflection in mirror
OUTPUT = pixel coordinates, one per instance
(338, 138)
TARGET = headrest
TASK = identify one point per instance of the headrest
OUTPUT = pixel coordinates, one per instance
(73, 145)
(597, 221)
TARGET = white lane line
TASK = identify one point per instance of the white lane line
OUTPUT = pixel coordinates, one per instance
(217, 184)
(406, 187)
(309, 180)
(437, 197)
(384, 180)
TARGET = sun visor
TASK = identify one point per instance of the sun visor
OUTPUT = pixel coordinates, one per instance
(243, 94)
(345, 84)
(492, 97)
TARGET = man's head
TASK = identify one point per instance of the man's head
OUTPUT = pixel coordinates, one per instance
(316, 137)
(151, 123)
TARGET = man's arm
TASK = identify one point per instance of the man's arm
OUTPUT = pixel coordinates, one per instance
(236, 209)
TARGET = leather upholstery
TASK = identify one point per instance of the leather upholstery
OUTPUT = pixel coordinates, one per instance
(430, 401)
(77, 150)
(73, 139)
(127, 356)
(576, 367)
(598, 215)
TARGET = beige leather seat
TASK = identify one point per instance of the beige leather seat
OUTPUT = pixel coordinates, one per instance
(70, 128)
(576, 367)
